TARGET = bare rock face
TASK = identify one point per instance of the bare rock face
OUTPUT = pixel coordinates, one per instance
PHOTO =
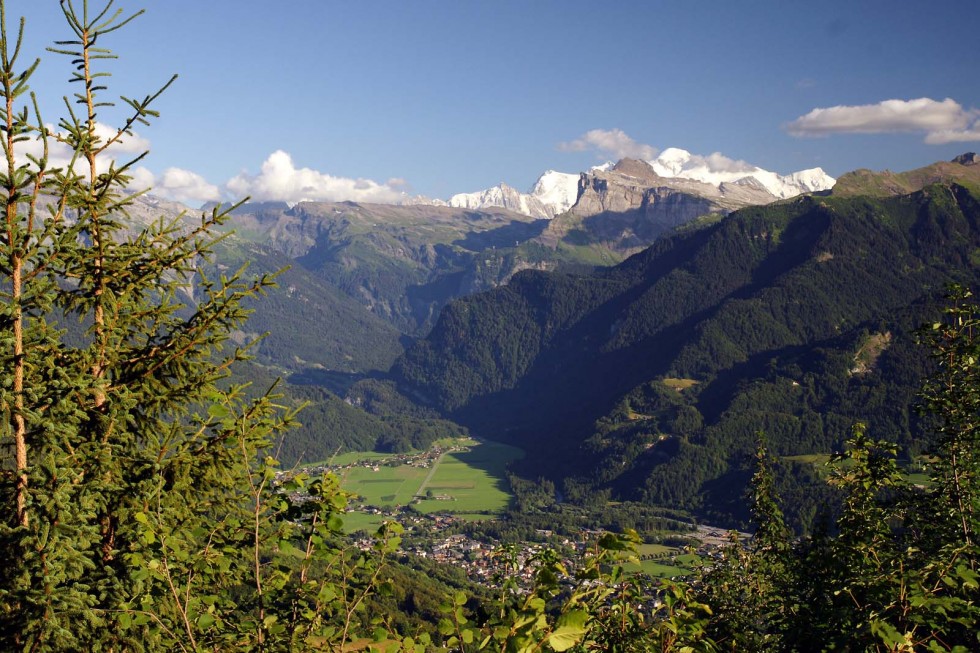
(631, 185)
(968, 159)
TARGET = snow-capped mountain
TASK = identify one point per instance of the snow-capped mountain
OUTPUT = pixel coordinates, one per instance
(504, 196)
(716, 169)
(553, 193)
(556, 192)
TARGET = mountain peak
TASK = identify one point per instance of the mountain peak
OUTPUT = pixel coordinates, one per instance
(636, 168)
(504, 196)
(968, 159)
(556, 192)
(717, 168)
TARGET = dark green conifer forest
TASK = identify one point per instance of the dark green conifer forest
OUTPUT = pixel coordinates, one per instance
(142, 509)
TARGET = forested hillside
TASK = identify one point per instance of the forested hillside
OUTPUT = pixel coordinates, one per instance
(650, 380)
(309, 323)
(403, 263)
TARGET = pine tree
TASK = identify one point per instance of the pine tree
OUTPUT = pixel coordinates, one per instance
(131, 454)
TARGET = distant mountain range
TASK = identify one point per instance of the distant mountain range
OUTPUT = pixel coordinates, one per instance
(404, 262)
(634, 343)
(557, 192)
(376, 273)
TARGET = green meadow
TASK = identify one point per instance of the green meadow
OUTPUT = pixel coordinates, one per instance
(386, 487)
(470, 483)
(663, 561)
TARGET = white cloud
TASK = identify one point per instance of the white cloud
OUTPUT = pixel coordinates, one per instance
(127, 144)
(281, 180)
(174, 184)
(943, 136)
(60, 154)
(943, 121)
(183, 186)
(141, 179)
(609, 143)
(718, 162)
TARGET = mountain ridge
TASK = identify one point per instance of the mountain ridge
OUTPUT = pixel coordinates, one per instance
(962, 170)
(577, 368)
(555, 192)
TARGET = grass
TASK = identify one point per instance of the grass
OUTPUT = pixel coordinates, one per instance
(655, 549)
(660, 570)
(471, 482)
(812, 458)
(679, 384)
(668, 562)
(919, 478)
(362, 521)
(668, 566)
(352, 457)
(387, 487)
(688, 559)
(633, 416)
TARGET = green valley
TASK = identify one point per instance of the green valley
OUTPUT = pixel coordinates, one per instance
(674, 403)
(649, 380)
(457, 476)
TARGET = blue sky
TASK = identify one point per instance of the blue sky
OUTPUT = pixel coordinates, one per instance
(369, 99)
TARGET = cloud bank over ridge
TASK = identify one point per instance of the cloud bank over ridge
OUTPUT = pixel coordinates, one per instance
(280, 179)
(609, 144)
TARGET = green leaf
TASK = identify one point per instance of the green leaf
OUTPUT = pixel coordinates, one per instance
(574, 619)
(287, 548)
(570, 631)
(445, 627)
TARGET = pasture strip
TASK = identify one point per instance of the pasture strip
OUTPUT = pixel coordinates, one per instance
(432, 471)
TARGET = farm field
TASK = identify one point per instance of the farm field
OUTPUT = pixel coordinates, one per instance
(383, 486)
(470, 483)
(351, 457)
(662, 561)
(660, 569)
(362, 521)
(679, 384)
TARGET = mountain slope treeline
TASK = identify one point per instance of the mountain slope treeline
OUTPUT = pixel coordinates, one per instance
(649, 380)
